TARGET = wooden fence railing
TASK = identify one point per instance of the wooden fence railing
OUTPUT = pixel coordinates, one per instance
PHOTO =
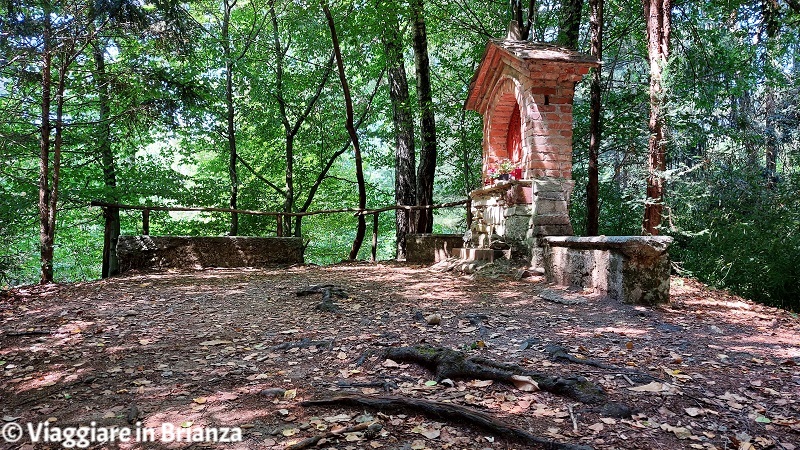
(109, 256)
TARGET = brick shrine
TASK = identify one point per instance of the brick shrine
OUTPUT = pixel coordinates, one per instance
(524, 91)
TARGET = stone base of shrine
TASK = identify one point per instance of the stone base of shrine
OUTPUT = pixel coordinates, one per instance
(480, 254)
(632, 269)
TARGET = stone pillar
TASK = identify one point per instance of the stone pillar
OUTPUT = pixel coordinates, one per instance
(549, 213)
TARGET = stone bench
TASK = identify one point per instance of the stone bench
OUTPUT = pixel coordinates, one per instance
(632, 269)
(188, 252)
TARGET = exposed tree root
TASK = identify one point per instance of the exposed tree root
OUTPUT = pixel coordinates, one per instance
(558, 352)
(326, 290)
(447, 363)
(449, 411)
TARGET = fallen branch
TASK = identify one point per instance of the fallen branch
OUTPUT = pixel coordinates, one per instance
(34, 332)
(448, 411)
(312, 441)
(387, 386)
(326, 290)
(447, 363)
(303, 343)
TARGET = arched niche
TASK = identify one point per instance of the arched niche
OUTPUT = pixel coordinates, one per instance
(504, 128)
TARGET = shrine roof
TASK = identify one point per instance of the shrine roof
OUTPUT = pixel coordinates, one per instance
(522, 54)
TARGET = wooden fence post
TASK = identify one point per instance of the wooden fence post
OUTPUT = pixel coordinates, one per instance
(146, 222)
(279, 229)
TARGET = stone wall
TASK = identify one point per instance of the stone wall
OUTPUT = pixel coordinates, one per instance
(427, 248)
(184, 252)
(632, 269)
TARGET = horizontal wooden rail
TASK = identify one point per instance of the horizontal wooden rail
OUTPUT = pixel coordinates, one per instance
(355, 211)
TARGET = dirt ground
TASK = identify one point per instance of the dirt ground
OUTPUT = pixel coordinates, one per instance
(239, 348)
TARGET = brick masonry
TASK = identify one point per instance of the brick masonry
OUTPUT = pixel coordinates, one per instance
(539, 79)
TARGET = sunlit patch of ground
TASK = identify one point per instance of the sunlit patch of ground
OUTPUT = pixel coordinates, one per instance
(210, 348)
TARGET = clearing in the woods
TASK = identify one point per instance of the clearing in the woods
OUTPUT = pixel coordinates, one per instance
(396, 357)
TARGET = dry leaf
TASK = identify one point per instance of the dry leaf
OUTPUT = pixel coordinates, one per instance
(654, 386)
(598, 427)
(430, 433)
(215, 342)
(390, 364)
(679, 432)
(694, 412)
(524, 383)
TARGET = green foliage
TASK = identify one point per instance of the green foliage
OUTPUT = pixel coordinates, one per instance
(166, 80)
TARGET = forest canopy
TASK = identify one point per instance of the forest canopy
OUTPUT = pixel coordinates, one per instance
(252, 105)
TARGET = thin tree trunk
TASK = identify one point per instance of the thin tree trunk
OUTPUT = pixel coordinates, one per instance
(658, 16)
(770, 13)
(427, 157)
(230, 115)
(595, 130)
(770, 141)
(525, 21)
(351, 129)
(402, 117)
(570, 26)
(112, 226)
(291, 130)
(56, 169)
(45, 241)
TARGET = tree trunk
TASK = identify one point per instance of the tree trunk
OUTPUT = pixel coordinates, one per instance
(658, 16)
(771, 17)
(427, 157)
(230, 116)
(770, 141)
(595, 130)
(56, 169)
(402, 117)
(351, 130)
(112, 223)
(525, 21)
(570, 25)
(45, 237)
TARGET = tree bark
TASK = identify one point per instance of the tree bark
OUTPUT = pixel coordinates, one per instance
(230, 114)
(658, 16)
(351, 130)
(45, 237)
(403, 120)
(525, 21)
(770, 14)
(291, 129)
(112, 223)
(595, 129)
(56, 169)
(427, 158)
(570, 25)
